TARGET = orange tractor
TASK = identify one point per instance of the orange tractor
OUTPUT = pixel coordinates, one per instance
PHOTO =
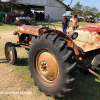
(55, 57)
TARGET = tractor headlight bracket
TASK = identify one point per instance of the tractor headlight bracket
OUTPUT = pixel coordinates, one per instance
(74, 35)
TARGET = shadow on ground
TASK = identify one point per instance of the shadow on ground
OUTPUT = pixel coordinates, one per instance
(3, 24)
(22, 62)
(3, 61)
(87, 86)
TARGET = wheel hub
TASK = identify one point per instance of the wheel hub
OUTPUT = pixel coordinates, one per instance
(47, 66)
(44, 66)
(9, 53)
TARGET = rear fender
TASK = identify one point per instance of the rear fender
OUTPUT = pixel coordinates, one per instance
(65, 37)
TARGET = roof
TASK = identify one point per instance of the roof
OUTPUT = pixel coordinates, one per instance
(67, 6)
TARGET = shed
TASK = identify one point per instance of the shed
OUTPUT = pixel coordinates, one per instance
(55, 8)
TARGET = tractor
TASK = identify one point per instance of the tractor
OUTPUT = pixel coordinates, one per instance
(24, 19)
(55, 57)
(10, 17)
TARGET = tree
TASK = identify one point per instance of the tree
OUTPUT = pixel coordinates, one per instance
(84, 10)
(4, 7)
(77, 9)
(61, 0)
(98, 14)
(89, 11)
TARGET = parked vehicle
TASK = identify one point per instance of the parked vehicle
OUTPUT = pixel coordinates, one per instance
(80, 19)
(90, 19)
(9, 17)
(54, 57)
(24, 20)
(97, 19)
(69, 17)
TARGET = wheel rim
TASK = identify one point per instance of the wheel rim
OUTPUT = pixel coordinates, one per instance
(9, 54)
(21, 24)
(32, 22)
(46, 67)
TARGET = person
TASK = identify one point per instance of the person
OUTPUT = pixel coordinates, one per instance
(34, 16)
(75, 22)
(5, 15)
(48, 17)
(65, 23)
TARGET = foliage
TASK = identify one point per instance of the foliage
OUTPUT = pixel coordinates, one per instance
(89, 11)
(84, 10)
(98, 14)
(77, 9)
(4, 7)
(61, 0)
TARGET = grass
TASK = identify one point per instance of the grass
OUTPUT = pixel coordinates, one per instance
(88, 85)
(6, 27)
(58, 23)
(12, 27)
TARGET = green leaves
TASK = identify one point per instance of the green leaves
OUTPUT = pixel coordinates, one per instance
(84, 10)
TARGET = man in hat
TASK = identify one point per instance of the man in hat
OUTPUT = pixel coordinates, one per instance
(65, 23)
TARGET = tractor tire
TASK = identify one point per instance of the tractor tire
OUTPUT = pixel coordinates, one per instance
(52, 65)
(7, 22)
(32, 22)
(20, 23)
(10, 53)
(95, 65)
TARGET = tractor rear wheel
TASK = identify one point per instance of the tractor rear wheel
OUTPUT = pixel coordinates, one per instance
(32, 22)
(20, 23)
(10, 53)
(95, 65)
(52, 65)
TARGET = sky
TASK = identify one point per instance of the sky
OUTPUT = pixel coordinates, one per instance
(91, 3)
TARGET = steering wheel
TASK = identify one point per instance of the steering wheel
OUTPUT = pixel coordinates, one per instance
(48, 25)
(51, 25)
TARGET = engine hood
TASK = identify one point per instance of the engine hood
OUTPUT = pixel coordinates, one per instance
(88, 39)
(32, 30)
(95, 28)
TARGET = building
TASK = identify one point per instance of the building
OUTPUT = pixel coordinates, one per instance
(54, 8)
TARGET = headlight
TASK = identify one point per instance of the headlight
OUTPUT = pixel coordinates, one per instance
(74, 35)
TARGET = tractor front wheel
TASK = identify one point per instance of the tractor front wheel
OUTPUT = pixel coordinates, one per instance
(52, 65)
(20, 23)
(32, 22)
(10, 53)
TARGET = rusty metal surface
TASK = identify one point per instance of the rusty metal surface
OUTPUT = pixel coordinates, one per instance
(32, 30)
(95, 28)
(47, 69)
(44, 58)
(9, 53)
(87, 40)
(15, 22)
(65, 37)
(36, 30)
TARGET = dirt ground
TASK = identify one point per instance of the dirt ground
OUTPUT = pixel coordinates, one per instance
(10, 84)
